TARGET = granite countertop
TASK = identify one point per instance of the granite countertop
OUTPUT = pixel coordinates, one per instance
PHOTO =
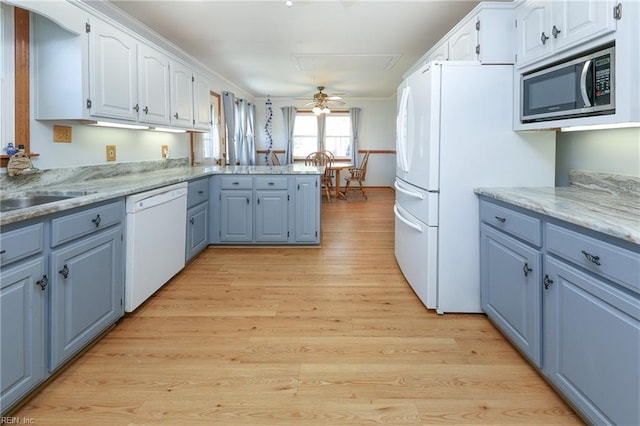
(610, 205)
(95, 184)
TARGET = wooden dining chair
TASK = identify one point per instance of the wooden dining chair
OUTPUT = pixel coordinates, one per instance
(358, 174)
(320, 158)
(275, 161)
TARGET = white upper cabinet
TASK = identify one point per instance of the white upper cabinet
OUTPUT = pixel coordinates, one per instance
(100, 70)
(113, 81)
(181, 95)
(486, 34)
(547, 27)
(153, 86)
(463, 43)
(201, 103)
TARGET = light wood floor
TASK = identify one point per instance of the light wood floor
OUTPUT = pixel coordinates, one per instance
(300, 336)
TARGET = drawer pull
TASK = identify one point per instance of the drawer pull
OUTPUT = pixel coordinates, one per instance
(271, 183)
(201, 192)
(97, 220)
(501, 219)
(3, 251)
(526, 269)
(43, 282)
(547, 282)
(236, 183)
(591, 258)
(64, 271)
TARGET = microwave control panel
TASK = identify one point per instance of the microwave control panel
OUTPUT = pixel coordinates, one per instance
(602, 77)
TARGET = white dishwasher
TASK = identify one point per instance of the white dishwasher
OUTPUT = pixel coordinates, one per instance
(156, 238)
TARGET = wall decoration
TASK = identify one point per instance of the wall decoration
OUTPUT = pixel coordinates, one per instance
(268, 128)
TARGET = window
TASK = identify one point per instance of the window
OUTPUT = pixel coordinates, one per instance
(305, 131)
(337, 137)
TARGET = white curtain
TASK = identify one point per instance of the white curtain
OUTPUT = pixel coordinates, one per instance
(250, 134)
(241, 129)
(289, 118)
(229, 107)
(354, 114)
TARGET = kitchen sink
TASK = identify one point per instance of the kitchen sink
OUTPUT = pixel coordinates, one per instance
(36, 199)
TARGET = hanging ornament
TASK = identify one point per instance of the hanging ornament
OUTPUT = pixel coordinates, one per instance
(268, 128)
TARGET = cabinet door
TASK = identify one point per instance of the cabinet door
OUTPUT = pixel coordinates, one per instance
(113, 76)
(579, 21)
(533, 30)
(307, 225)
(22, 338)
(271, 217)
(181, 95)
(441, 53)
(87, 289)
(197, 229)
(462, 43)
(592, 349)
(236, 216)
(153, 85)
(201, 103)
(510, 289)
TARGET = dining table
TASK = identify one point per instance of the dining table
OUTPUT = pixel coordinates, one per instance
(338, 166)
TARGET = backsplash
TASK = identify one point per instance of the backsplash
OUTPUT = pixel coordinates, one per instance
(84, 173)
(605, 182)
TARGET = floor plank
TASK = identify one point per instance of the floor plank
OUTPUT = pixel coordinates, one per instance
(300, 336)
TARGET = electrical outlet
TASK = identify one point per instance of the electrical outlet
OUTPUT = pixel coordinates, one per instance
(165, 149)
(111, 153)
(61, 133)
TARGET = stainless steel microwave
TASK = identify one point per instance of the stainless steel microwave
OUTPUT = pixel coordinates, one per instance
(579, 87)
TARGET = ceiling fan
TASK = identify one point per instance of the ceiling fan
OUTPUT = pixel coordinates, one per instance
(322, 101)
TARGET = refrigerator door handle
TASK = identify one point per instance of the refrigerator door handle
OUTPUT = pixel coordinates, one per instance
(405, 221)
(402, 130)
(413, 194)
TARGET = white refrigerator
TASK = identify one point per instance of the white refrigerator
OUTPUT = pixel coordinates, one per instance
(454, 134)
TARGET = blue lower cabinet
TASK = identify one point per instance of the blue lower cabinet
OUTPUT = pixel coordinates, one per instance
(271, 217)
(197, 229)
(510, 289)
(22, 335)
(236, 216)
(87, 291)
(592, 344)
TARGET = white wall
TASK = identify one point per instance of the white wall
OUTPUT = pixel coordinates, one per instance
(377, 132)
(612, 151)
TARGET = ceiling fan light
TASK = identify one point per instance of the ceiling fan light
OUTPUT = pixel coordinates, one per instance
(317, 110)
(326, 110)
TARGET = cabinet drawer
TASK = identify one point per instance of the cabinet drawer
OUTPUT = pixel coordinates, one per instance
(75, 225)
(236, 182)
(520, 225)
(271, 182)
(198, 192)
(615, 263)
(20, 243)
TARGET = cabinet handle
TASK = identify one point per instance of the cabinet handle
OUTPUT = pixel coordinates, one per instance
(236, 183)
(175, 115)
(136, 108)
(200, 192)
(258, 201)
(146, 110)
(3, 251)
(97, 220)
(526, 269)
(547, 282)
(192, 221)
(544, 38)
(247, 200)
(555, 32)
(500, 219)
(271, 183)
(64, 271)
(43, 282)
(591, 258)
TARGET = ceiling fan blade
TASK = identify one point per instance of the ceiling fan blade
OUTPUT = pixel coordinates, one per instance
(334, 98)
(309, 104)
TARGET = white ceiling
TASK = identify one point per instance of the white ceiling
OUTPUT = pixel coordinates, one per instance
(358, 48)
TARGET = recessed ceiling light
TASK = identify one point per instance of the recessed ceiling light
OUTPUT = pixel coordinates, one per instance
(289, 3)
